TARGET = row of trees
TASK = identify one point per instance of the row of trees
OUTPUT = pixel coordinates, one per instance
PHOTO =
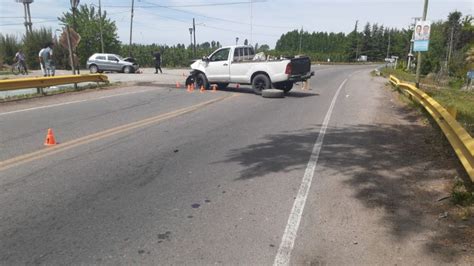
(450, 40)
(449, 43)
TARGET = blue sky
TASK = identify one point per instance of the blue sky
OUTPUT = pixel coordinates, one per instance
(224, 20)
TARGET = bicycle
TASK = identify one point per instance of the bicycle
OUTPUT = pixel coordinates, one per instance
(19, 68)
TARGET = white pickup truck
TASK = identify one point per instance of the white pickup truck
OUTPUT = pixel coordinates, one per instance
(238, 64)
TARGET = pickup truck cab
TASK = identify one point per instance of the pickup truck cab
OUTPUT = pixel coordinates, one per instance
(240, 64)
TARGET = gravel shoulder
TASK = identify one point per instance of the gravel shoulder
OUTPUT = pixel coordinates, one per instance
(381, 192)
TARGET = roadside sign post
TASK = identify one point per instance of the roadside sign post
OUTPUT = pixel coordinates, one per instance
(418, 61)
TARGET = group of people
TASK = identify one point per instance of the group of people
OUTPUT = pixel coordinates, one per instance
(45, 57)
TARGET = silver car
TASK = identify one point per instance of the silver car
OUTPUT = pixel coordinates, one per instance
(110, 62)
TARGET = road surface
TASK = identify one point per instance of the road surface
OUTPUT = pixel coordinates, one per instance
(157, 175)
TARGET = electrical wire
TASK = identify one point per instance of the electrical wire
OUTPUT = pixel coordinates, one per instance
(35, 22)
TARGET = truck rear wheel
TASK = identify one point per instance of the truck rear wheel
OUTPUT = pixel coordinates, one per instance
(261, 82)
(285, 86)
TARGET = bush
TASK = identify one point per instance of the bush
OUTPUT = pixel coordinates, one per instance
(9, 45)
(33, 43)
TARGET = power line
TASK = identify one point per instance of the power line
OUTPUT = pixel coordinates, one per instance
(216, 18)
(205, 25)
(41, 21)
(188, 5)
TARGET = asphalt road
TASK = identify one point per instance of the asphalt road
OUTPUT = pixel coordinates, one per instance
(157, 175)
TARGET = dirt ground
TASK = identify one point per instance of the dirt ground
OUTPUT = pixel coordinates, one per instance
(430, 204)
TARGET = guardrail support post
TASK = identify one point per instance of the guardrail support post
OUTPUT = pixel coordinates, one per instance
(452, 111)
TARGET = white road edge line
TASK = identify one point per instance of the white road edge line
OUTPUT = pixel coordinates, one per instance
(72, 102)
(288, 240)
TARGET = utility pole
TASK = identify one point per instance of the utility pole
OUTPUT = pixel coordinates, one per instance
(194, 30)
(191, 37)
(410, 53)
(418, 63)
(100, 28)
(74, 4)
(26, 8)
(131, 27)
(450, 45)
(357, 38)
(251, 20)
(388, 47)
(301, 39)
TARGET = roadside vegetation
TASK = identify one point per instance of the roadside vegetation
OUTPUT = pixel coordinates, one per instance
(370, 40)
(450, 95)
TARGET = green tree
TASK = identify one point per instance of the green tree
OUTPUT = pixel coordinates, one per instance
(33, 42)
(9, 45)
(88, 26)
(263, 48)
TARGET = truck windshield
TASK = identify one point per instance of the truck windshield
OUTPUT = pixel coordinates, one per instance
(221, 55)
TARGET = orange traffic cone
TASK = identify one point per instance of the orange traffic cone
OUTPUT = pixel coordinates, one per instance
(214, 87)
(188, 88)
(178, 85)
(202, 89)
(237, 86)
(192, 87)
(50, 138)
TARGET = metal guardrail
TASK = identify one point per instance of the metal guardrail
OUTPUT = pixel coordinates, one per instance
(42, 82)
(461, 141)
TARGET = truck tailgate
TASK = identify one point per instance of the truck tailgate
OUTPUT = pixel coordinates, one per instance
(300, 65)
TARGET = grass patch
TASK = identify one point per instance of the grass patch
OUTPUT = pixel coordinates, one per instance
(400, 74)
(61, 91)
(2, 72)
(462, 101)
(449, 96)
(460, 195)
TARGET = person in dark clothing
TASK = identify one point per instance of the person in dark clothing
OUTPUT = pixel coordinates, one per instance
(157, 57)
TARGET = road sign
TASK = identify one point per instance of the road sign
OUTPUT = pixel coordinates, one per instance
(422, 36)
(75, 39)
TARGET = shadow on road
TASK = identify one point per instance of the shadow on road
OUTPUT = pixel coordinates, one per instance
(395, 168)
(292, 94)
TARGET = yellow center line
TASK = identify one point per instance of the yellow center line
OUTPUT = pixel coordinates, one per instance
(22, 159)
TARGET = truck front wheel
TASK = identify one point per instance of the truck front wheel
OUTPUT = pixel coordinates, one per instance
(261, 82)
(201, 80)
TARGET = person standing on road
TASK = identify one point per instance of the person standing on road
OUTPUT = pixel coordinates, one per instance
(157, 57)
(20, 60)
(40, 58)
(47, 59)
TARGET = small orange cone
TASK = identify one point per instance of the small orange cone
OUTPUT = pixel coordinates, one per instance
(202, 89)
(188, 88)
(237, 86)
(214, 87)
(178, 85)
(192, 87)
(50, 138)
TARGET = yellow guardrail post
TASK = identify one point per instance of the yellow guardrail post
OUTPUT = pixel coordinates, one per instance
(458, 137)
(42, 82)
